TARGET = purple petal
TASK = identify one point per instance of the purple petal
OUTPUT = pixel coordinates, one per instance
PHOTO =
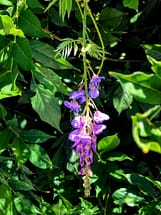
(73, 105)
(94, 143)
(99, 117)
(98, 128)
(78, 122)
(74, 135)
(93, 93)
(96, 80)
(77, 94)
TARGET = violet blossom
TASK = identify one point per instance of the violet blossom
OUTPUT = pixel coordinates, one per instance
(87, 125)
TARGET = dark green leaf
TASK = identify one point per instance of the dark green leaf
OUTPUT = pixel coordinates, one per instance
(20, 185)
(46, 105)
(5, 137)
(108, 143)
(30, 24)
(51, 80)
(22, 53)
(20, 150)
(39, 157)
(46, 55)
(143, 184)
(35, 136)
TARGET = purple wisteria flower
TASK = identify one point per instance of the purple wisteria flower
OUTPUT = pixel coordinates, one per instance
(73, 105)
(94, 86)
(86, 127)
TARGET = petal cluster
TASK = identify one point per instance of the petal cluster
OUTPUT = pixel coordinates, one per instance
(86, 125)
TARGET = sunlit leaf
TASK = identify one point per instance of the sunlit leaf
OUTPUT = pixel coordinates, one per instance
(39, 157)
(24, 205)
(132, 4)
(143, 87)
(6, 207)
(108, 143)
(46, 105)
(127, 196)
(7, 27)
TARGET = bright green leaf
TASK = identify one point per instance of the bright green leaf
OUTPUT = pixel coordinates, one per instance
(6, 207)
(132, 4)
(46, 105)
(6, 2)
(118, 156)
(7, 27)
(143, 184)
(143, 87)
(39, 157)
(108, 143)
(35, 136)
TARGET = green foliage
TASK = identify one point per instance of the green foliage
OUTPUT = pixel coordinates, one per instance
(41, 51)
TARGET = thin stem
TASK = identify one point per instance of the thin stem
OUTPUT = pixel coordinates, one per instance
(100, 38)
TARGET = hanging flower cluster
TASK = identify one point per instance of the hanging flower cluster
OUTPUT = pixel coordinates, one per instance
(87, 125)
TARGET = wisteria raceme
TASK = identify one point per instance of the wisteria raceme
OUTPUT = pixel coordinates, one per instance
(87, 125)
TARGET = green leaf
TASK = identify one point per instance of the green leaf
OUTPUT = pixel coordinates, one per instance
(25, 206)
(46, 105)
(46, 55)
(5, 137)
(31, 25)
(121, 100)
(8, 91)
(6, 207)
(108, 143)
(20, 185)
(35, 5)
(143, 184)
(118, 156)
(153, 53)
(132, 4)
(143, 87)
(35, 136)
(127, 196)
(7, 27)
(146, 135)
(22, 53)
(111, 17)
(20, 150)
(51, 80)
(39, 157)
(3, 112)
(6, 2)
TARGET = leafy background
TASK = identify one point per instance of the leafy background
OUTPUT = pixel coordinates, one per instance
(40, 64)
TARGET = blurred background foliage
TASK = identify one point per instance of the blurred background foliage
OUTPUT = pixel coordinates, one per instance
(40, 64)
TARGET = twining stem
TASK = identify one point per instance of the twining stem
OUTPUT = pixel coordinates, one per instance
(100, 38)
